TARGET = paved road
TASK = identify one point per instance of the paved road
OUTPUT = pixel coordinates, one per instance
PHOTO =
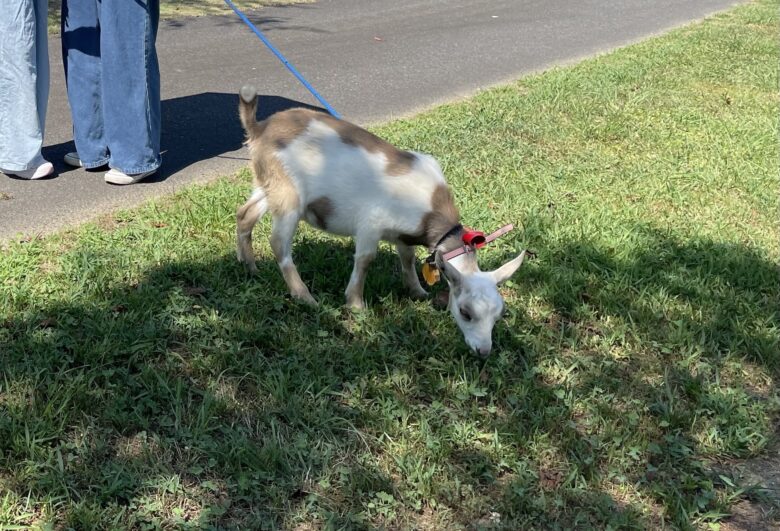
(372, 59)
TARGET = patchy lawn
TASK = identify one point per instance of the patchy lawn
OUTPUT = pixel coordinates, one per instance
(148, 382)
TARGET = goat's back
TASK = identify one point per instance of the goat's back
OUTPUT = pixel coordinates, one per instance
(366, 182)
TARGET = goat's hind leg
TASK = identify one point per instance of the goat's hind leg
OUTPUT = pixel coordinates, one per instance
(281, 243)
(247, 217)
(408, 271)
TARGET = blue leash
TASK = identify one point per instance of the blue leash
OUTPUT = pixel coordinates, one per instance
(284, 61)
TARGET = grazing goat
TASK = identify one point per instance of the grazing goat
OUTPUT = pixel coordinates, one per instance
(344, 180)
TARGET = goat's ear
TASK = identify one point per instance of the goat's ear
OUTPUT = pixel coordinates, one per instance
(452, 275)
(503, 273)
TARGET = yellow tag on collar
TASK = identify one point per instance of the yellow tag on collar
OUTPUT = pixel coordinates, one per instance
(430, 273)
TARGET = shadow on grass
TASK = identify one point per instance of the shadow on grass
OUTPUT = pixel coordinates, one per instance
(198, 373)
(729, 291)
(692, 333)
(197, 396)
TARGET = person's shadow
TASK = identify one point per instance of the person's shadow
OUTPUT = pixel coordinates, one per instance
(195, 128)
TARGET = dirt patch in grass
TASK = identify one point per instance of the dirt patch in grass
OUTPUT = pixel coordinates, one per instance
(750, 516)
(761, 509)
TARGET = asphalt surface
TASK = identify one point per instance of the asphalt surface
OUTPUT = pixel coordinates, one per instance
(372, 60)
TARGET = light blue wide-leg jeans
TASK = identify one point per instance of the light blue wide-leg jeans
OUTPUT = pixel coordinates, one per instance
(113, 81)
(24, 82)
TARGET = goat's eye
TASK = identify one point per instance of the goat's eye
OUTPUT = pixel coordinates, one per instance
(466, 315)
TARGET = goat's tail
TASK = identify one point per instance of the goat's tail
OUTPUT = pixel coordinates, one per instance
(247, 110)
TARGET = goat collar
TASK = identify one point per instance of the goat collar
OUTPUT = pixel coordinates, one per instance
(474, 240)
(453, 231)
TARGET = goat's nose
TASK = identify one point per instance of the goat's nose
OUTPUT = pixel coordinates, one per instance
(483, 351)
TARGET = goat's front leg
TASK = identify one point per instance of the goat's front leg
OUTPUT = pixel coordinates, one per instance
(408, 271)
(281, 243)
(365, 252)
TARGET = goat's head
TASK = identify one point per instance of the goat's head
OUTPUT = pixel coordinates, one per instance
(475, 302)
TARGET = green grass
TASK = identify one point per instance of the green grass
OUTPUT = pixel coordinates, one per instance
(147, 382)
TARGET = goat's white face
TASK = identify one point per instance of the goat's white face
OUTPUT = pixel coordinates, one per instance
(475, 302)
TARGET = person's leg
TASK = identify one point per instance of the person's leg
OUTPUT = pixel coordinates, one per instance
(131, 84)
(42, 60)
(24, 86)
(81, 56)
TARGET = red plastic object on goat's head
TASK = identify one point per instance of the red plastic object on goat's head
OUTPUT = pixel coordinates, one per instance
(474, 238)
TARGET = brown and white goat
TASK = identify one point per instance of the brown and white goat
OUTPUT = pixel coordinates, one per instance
(344, 180)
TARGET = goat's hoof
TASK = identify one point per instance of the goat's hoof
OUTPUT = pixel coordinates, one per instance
(356, 305)
(305, 298)
(419, 295)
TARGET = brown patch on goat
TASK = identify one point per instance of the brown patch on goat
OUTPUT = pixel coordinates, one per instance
(442, 217)
(322, 209)
(398, 162)
(286, 126)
